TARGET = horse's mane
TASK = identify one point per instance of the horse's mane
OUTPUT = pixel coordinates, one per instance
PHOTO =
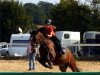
(42, 30)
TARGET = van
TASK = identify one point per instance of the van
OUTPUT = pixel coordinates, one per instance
(18, 45)
(68, 38)
(3, 50)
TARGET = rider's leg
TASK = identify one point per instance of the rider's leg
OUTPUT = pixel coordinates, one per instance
(58, 45)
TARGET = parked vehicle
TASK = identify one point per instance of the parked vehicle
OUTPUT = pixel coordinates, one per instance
(3, 50)
(69, 37)
(18, 45)
(91, 37)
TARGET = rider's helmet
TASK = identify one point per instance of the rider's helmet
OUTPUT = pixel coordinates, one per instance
(48, 21)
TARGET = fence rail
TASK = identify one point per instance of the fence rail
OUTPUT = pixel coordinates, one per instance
(84, 49)
(83, 44)
(66, 44)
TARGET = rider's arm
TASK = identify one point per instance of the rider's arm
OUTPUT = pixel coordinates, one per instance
(49, 36)
(51, 32)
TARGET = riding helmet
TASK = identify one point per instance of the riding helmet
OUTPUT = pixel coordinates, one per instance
(48, 21)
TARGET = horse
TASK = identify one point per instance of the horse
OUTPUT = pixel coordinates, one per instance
(64, 61)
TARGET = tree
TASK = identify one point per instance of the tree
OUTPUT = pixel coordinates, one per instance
(33, 11)
(69, 15)
(96, 15)
(38, 12)
(12, 16)
(46, 7)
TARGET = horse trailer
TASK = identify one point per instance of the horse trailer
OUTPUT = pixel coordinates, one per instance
(68, 38)
(18, 45)
(91, 37)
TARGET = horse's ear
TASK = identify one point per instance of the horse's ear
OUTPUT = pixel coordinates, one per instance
(34, 32)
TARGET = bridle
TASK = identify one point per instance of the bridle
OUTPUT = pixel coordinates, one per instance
(34, 39)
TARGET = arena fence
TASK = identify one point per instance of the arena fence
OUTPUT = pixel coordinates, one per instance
(77, 47)
(49, 73)
(67, 45)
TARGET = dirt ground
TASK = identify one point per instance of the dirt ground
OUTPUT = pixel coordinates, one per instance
(21, 65)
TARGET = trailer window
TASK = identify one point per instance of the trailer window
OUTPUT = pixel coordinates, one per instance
(97, 36)
(66, 36)
(21, 41)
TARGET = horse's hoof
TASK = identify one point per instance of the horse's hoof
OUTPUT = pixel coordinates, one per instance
(51, 67)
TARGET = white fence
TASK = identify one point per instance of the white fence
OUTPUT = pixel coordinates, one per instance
(77, 47)
(67, 44)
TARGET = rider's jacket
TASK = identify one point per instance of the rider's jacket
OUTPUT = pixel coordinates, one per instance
(50, 30)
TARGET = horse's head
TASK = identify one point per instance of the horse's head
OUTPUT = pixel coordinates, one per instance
(36, 37)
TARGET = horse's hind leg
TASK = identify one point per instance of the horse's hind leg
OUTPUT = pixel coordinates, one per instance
(72, 66)
(63, 67)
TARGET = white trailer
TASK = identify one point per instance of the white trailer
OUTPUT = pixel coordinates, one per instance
(68, 38)
(18, 45)
(91, 37)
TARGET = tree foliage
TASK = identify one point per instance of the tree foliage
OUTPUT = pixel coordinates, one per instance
(12, 15)
(38, 12)
(70, 16)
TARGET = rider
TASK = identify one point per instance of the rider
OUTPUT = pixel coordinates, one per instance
(51, 35)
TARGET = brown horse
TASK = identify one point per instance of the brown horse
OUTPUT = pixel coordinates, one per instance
(64, 61)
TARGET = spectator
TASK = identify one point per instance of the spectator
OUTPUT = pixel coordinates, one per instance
(31, 57)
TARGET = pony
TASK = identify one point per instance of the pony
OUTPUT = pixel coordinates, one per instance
(64, 61)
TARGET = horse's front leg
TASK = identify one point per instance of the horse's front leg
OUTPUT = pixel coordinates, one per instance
(50, 64)
(43, 62)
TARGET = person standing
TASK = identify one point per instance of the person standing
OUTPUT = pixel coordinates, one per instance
(31, 57)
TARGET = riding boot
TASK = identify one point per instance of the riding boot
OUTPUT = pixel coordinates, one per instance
(60, 51)
(58, 45)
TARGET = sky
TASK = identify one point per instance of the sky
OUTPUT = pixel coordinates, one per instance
(50, 1)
